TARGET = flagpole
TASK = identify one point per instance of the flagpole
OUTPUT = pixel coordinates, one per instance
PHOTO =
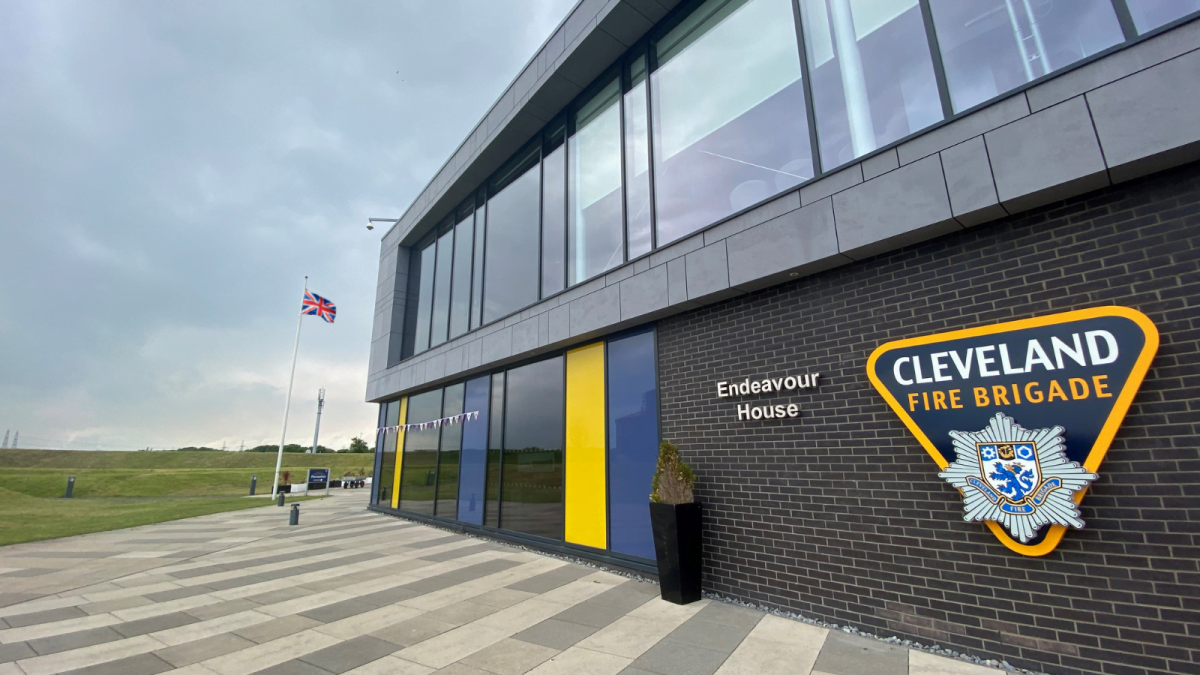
(288, 401)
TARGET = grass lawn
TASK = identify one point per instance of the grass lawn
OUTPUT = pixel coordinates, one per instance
(43, 473)
(24, 518)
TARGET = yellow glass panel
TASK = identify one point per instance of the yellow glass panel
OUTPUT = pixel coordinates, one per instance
(399, 450)
(586, 498)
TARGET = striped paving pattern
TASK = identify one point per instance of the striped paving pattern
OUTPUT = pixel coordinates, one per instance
(355, 592)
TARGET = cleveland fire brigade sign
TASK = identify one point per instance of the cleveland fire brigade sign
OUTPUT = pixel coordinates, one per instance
(1019, 415)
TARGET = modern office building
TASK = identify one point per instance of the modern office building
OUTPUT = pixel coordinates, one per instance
(714, 222)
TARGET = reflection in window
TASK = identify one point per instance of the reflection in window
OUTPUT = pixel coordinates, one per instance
(424, 299)
(730, 127)
(637, 162)
(418, 478)
(1150, 14)
(473, 465)
(532, 476)
(511, 269)
(491, 513)
(633, 441)
(872, 75)
(388, 414)
(993, 46)
(594, 233)
(477, 275)
(460, 291)
(449, 451)
(554, 214)
(441, 288)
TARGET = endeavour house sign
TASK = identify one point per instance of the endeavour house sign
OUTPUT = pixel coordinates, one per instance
(1019, 415)
(768, 385)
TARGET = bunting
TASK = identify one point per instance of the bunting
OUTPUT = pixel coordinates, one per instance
(433, 424)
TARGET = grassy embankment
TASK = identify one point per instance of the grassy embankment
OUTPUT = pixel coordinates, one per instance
(108, 485)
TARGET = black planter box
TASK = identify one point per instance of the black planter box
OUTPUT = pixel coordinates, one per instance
(677, 547)
(283, 488)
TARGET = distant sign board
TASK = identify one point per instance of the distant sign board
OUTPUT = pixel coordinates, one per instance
(318, 475)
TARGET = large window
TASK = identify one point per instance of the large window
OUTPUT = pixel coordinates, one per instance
(532, 478)
(595, 238)
(1150, 14)
(554, 213)
(460, 287)
(990, 47)
(418, 479)
(386, 444)
(637, 162)
(449, 451)
(724, 105)
(872, 74)
(473, 464)
(441, 286)
(730, 127)
(425, 260)
(491, 512)
(511, 269)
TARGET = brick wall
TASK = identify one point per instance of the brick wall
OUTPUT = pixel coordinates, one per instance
(840, 514)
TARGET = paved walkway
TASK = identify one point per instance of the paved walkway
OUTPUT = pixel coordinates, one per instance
(350, 591)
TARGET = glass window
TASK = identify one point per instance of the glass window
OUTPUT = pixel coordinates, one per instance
(378, 450)
(554, 214)
(637, 161)
(449, 451)
(511, 269)
(460, 291)
(633, 442)
(872, 76)
(387, 464)
(424, 299)
(473, 466)
(477, 277)
(419, 469)
(993, 46)
(595, 241)
(1150, 14)
(533, 450)
(491, 514)
(730, 127)
(441, 287)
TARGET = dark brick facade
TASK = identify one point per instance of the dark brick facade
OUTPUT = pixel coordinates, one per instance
(840, 514)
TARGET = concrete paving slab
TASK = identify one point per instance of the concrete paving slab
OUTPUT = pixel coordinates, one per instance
(413, 631)
(510, 657)
(555, 634)
(201, 650)
(844, 654)
(142, 664)
(350, 654)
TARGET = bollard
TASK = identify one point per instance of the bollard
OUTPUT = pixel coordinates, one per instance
(294, 516)
(70, 487)
(280, 502)
(253, 483)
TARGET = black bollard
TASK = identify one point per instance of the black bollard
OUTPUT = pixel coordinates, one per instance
(294, 516)
(70, 487)
(253, 483)
(280, 502)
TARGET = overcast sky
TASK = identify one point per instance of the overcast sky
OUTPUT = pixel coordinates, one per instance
(169, 172)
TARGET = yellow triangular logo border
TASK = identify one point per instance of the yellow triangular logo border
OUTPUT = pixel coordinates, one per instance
(1107, 433)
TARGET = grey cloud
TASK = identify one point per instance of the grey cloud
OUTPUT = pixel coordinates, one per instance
(169, 171)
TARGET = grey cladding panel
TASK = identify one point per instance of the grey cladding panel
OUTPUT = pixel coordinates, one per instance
(644, 294)
(596, 311)
(969, 179)
(801, 241)
(1050, 155)
(707, 273)
(898, 208)
(996, 115)
(1151, 120)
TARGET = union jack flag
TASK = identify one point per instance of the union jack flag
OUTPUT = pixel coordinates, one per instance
(315, 305)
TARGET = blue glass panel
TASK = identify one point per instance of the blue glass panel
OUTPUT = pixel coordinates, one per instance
(473, 467)
(633, 442)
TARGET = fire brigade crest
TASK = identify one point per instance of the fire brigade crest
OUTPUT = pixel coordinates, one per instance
(1018, 477)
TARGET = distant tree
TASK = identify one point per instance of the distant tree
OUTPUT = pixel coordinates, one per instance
(358, 445)
(194, 449)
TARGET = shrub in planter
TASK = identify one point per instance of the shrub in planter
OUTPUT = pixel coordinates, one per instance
(675, 519)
